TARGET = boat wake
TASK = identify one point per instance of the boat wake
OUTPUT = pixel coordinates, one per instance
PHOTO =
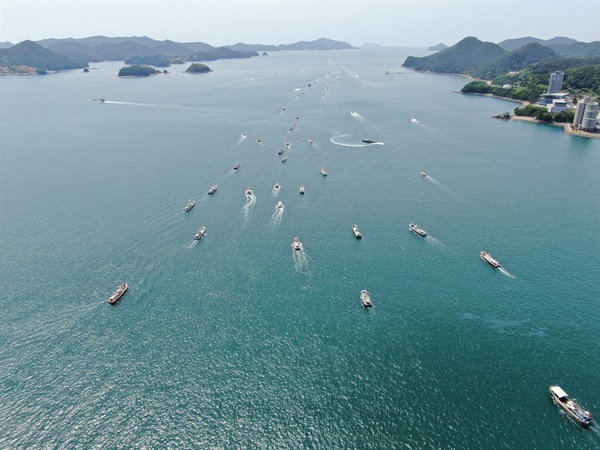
(192, 244)
(277, 216)
(300, 259)
(505, 272)
(436, 182)
(337, 141)
(433, 241)
(357, 116)
(247, 208)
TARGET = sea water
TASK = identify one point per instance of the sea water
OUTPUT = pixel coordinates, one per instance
(238, 341)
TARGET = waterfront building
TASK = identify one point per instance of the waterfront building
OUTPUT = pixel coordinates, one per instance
(580, 110)
(560, 105)
(555, 84)
(590, 117)
(547, 99)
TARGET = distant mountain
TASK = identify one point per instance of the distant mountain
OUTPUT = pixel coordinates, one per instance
(513, 44)
(28, 53)
(437, 48)
(170, 48)
(72, 49)
(319, 44)
(578, 50)
(462, 57)
(6, 44)
(221, 53)
(514, 61)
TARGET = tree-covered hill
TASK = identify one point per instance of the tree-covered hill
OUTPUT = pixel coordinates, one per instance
(221, 53)
(28, 53)
(137, 71)
(462, 57)
(514, 61)
(198, 68)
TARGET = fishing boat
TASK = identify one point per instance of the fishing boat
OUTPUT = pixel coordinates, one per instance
(213, 189)
(417, 230)
(297, 244)
(356, 231)
(118, 294)
(365, 296)
(236, 167)
(280, 152)
(323, 172)
(491, 261)
(200, 233)
(284, 159)
(570, 406)
(189, 206)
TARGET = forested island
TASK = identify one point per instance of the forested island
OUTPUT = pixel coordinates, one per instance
(198, 68)
(138, 71)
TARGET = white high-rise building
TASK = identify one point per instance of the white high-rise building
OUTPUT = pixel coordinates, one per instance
(555, 84)
(590, 117)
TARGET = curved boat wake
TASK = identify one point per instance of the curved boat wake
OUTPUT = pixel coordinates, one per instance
(335, 140)
(247, 208)
(192, 244)
(503, 271)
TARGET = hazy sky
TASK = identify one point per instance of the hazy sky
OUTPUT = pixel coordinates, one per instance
(223, 22)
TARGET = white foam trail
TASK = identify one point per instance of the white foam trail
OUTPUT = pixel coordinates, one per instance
(277, 216)
(357, 116)
(300, 259)
(343, 144)
(505, 272)
(433, 241)
(193, 244)
(436, 182)
(247, 208)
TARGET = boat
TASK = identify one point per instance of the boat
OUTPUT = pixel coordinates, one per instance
(189, 206)
(310, 141)
(120, 292)
(284, 159)
(236, 167)
(423, 174)
(323, 172)
(258, 140)
(571, 406)
(302, 189)
(297, 244)
(277, 186)
(279, 204)
(212, 190)
(244, 134)
(369, 141)
(249, 192)
(356, 231)
(366, 298)
(280, 152)
(199, 234)
(287, 144)
(417, 230)
(491, 261)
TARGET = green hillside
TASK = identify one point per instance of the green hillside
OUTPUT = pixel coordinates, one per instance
(515, 61)
(28, 53)
(462, 57)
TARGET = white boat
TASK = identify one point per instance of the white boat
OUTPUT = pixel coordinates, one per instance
(366, 298)
(284, 159)
(249, 192)
(297, 244)
(571, 406)
(423, 174)
(302, 189)
(417, 230)
(258, 140)
(310, 141)
(277, 186)
(189, 206)
(279, 204)
(200, 233)
(323, 172)
(491, 261)
(213, 189)
(236, 167)
(356, 231)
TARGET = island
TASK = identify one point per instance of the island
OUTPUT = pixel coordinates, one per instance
(137, 71)
(198, 68)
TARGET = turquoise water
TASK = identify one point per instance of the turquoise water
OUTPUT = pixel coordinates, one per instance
(237, 341)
